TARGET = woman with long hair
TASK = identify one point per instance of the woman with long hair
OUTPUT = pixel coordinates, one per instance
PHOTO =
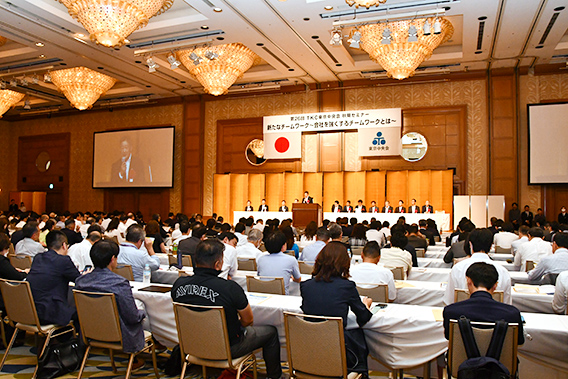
(112, 230)
(290, 242)
(309, 235)
(153, 231)
(330, 293)
(358, 236)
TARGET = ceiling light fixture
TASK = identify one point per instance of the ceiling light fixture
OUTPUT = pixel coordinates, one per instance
(437, 26)
(82, 86)
(2, 84)
(110, 22)
(400, 58)
(217, 9)
(335, 37)
(174, 63)
(152, 66)
(386, 37)
(328, 7)
(211, 55)
(39, 44)
(365, 3)
(412, 34)
(24, 81)
(8, 99)
(47, 77)
(35, 79)
(217, 75)
(355, 40)
(427, 28)
(27, 105)
(196, 59)
(13, 82)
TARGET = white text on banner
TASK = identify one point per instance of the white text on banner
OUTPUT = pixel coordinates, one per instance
(287, 145)
(379, 141)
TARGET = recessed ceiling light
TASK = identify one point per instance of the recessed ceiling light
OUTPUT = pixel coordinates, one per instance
(126, 41)
(328, 7)
(80, 35)
(42, 56)
(204, 27)
(39, 44)
(217, 10)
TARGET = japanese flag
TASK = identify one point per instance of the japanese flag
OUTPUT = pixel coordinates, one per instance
(287, 145)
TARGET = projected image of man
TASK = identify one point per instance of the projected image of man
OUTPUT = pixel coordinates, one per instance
(130, 169)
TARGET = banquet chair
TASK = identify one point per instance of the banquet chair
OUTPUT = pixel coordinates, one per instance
(185, 260)
(502, 250)
(21, 310)
(247, 264)
(204, 340)
(290, 252)
(420, 253)
(21, 261)
(113, 238)
(437, 239)
(462, 294)
(398, 273)
(125, 271)
(305, 268)
(529, 265)
(329, 360)
(482, 332)
(345, 239)
(377, 292)
(100, 327)
(182, 273)
(261, 284)
(356, 250)
(11, 250)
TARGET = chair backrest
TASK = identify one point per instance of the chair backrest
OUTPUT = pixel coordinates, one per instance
(398, 273)
(462, 294)
(437, 239)
(482, 332)
(98, 316)
(502, 250)
(529, 265)
(377, 292)
(113, 238)
(125, 271)
(357, 250)
(265, 284)
(186, 261)
(21, 261)
(19, 302)
(202, 331)
(11, 250)
(420, 253)
(328, 360)
(247, 264)
(172, 260)
(345, 239)
(290, 252)
(305, 268)
(182, 273)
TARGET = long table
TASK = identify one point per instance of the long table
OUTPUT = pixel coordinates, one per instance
(428, 274)
(400, 336)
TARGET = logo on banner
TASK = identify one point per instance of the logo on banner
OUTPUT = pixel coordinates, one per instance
(379, 139)
(282, 144)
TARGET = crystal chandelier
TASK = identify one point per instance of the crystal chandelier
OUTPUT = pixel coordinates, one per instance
(81, 86)
(2, 40)
(110, 22)
(8, 99)
(257, 147)
(390, 44)
(365, 3)
(218, 67)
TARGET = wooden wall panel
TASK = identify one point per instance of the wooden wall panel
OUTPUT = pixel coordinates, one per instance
(397, 187)
(233, 136)
(333, 189)
(192, 173)
(313, 183)
(375, 187)
(355, 185)
(294, 185)
(447, 192)
(146, 200)
(331, 151)
(274, 188)
(238, 193)
(257, 192)
(221, 196)
(436, 194)
(418, 187)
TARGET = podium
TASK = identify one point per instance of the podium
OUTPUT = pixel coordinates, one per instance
(303, 214)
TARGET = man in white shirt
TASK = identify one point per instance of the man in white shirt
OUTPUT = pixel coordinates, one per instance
(122, 225)
(131, 219)
(259, 225)
(29, 245)
(44, 217)
(396, 256)
(561, 294)
(250, 248)
(369, 272)
(240, 233)
(105, 222)
(480, 240)
(504, 238)
(386, 230)
(523, 238)
(553, 264)
(80, 253)
(534, 250)
(374, 234)
(184, 230)
(230, 264)
(310, 252)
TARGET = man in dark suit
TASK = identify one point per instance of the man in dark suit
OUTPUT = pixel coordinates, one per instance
(283, 207)
(387, 208)
(249, 207)
(482, 281)
(413, 207)
(515, 216)
(540, 218)
(563, 216)
(360, 207)
(49, 279)
(129, 169)
(187, 246)
(400, 208)
(263, 207)
(336, 207)
(427, 208)
(307, 198)
(73, 237)
(348, 208)
(527, 216)
(373, 208)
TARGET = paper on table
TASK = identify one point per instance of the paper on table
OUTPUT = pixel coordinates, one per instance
(255, 299)
(525, 288)
(402, 284)
(437, 312)
(547, 289)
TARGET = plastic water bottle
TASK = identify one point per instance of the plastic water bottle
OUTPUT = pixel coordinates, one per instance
(147, 274)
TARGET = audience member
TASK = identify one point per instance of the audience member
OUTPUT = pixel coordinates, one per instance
(230, 263)
(523, 238)
(131, 252)
(415, 239)
(72, 236)
(555, 263)
(188, 245)
(309, 236)
(374, 234)
(561, 294)
(527, 217)
(30, 245)
(185, 232)
(370, 272)
(153, 233)
(250, 248)
(357, 237)
(240, 233)
(310, 252)
(505, 237)
(396, 256)
(534, 250)
(423, 225)
(7, 271)
(80, 253)
(278, 264)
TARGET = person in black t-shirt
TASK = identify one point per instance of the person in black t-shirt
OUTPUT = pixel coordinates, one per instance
(206, 288)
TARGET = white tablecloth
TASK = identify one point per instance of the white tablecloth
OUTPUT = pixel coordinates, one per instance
(261, 216)
(442, 219)
(401, 336)
(428, 274)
